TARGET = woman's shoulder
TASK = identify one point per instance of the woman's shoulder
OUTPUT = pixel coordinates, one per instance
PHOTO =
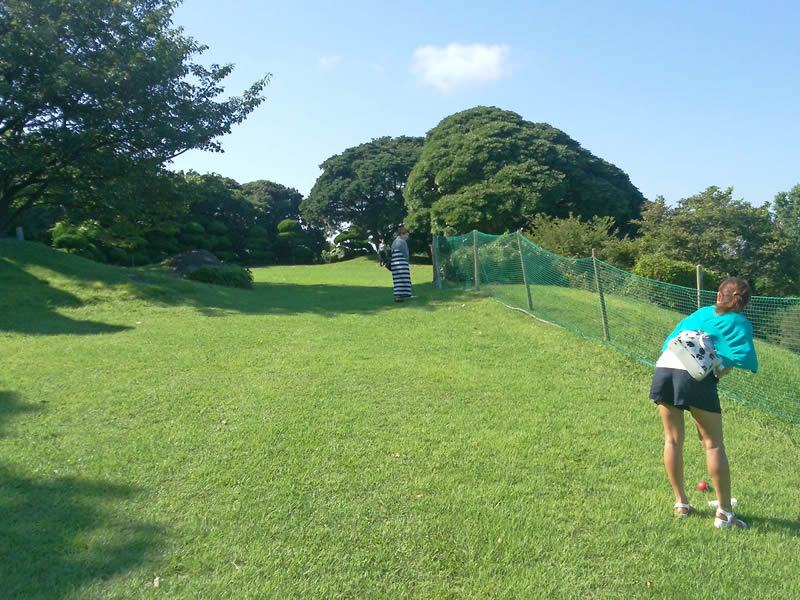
(707, 313)
(737, 319)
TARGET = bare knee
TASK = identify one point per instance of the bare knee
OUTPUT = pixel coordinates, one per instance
(712, 443)
(673, 438)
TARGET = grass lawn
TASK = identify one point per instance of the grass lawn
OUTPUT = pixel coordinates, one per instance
(310, 438)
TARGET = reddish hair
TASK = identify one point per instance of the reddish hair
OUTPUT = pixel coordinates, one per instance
(734, 295)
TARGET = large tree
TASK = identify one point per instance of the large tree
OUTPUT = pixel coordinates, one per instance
(95, 91)
(787, 213)
(489, 169)
(274, 202)
(362, 188)
(728, 235)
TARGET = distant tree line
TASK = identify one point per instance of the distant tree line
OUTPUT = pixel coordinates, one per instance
(727, 236)
(257, 223)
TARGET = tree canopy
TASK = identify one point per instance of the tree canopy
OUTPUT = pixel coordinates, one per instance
(362, 188)
(489, 169)
(273, 201)
(787, 212)
(96, 92)
(571, 236)
(728, 235)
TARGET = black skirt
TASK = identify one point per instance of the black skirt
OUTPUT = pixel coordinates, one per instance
(678, 388)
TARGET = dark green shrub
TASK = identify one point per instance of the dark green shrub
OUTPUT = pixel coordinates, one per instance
(219, 243)
(459, 265)
(353, 243)
(82, 239)
(117, 256)
(216, 228)
(289, 226)
(192, 235)
(661, 268)
(620, 253)
(656, 270)
(577, 274)
(228, 275)
(226, 256)
(302, 255)
(333, 255)
(787, 328)
(261, 257)
(499, 261)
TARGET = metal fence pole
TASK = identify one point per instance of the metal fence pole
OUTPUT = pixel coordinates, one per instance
(437, 275)
(699, 286)
(599, 286)
(475, 259)
(524, 272)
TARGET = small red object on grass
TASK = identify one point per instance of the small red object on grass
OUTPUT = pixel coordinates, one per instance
(702, 486)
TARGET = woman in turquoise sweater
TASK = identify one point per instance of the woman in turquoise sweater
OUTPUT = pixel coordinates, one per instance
(675, 391)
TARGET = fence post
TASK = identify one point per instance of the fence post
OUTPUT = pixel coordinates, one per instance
(699, 286)
(524, 272)
(599, 286)
(437, 276)
(477, 270)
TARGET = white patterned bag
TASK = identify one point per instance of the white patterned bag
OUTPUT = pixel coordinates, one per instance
(696, 352)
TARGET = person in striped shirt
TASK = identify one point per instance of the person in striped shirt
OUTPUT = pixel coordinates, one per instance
(401, 271)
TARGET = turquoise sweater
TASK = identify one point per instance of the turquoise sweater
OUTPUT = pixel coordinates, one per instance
(731, 333)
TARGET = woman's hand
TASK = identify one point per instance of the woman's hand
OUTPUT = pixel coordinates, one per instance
(720, 373)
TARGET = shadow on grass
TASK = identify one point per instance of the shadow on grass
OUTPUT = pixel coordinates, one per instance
(35, 312)
(73, 266)
(29, 307)
(59, 534)
(10, 405)
(789, 526)
(286, 298)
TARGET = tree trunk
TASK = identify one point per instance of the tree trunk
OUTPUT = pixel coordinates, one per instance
(5, 220)
(8, 216)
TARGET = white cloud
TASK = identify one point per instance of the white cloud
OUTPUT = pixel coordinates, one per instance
(329, 62)
(460, 65)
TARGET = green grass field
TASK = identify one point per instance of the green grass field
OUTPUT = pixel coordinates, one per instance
(310, 438)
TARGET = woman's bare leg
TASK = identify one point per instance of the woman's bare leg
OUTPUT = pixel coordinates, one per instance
(674, 433)
(710, 426)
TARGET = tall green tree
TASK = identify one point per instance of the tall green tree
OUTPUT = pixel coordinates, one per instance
(273, 202)
(219, 206)
(489, 169)
(728, 235)
(362, 188)
(787, 213)
(93, 92)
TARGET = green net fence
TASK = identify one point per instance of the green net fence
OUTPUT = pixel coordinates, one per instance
(633, 314)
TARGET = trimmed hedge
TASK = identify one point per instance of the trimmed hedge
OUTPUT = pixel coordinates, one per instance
(661, 268)
(228, 275)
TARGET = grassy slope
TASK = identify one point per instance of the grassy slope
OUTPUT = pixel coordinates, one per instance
(311, 438)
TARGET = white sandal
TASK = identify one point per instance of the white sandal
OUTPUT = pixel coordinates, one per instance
(715, 503)
(729, 521)
(680, 506)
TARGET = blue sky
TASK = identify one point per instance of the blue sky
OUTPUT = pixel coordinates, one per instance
(680, 95)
